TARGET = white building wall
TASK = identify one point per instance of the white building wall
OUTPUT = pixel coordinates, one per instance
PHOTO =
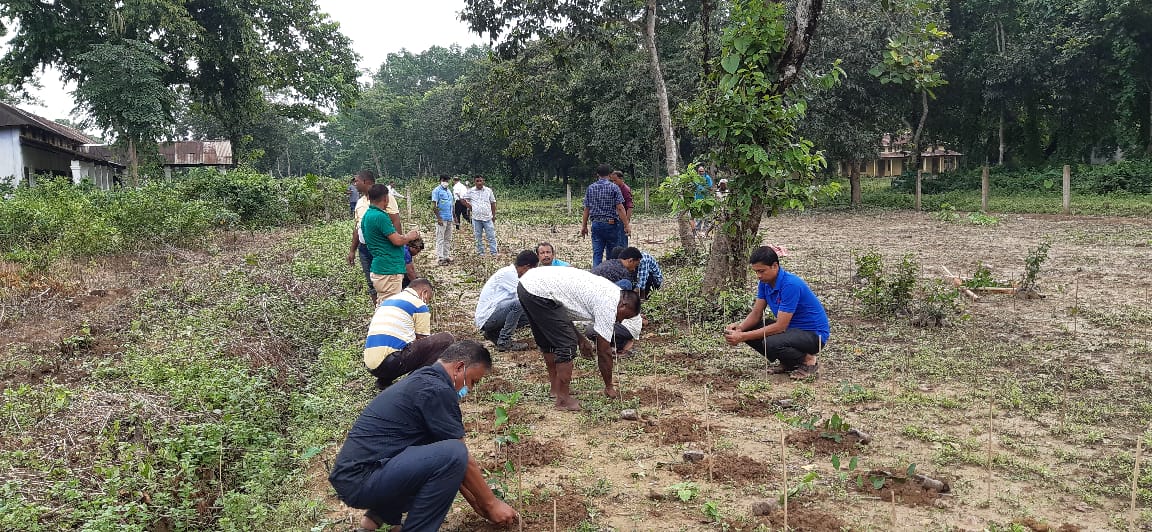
(11, 157)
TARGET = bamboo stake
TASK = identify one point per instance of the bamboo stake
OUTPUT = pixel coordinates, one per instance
(989, 472)
(520, 488)
(554, 528)
(1075, 306)
(892, 515)
(708, 429)
(784, 475)
(1135, 478)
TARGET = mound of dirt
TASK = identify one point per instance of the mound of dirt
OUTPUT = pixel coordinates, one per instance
(736, 469)
(1036, 525)
(747, 406)
(680, 429)
(849, 444)
(799, 518)
(908, 492)
(650, 396)
(529, 453)
(538, 513)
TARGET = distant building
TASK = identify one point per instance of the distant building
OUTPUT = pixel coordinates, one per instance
(31, 145)
(196, 154)
(892, 159)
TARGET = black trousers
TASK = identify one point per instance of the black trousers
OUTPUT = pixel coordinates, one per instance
(421, 352)
(789, 347)
(461, 210)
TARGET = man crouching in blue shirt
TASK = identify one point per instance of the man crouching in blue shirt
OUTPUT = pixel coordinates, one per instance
(405, 453)
(801, 328)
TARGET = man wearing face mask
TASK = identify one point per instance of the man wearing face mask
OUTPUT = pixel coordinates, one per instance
(553, 298)
(442, 204)
(405, 454)
(400, 338)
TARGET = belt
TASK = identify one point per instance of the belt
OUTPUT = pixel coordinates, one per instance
(605, 220)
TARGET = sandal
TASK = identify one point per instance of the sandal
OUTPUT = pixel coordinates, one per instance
(805, 372)
(780, 369)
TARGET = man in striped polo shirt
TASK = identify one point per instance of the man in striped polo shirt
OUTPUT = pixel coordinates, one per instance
(400, 338)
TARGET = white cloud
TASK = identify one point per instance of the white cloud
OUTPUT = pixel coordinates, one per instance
(376, 29)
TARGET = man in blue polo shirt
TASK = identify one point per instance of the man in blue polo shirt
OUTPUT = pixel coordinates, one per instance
(604, 205)
(800, 329)
(405, 454)
(442, 204)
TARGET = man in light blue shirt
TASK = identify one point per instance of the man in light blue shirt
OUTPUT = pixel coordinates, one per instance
(547, 255)
(498, 310)
(443, 201)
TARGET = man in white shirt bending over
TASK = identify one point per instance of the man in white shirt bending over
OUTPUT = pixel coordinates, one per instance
(498, 311)
(553, 298)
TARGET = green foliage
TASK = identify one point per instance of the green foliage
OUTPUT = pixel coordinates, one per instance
(885, 294)
(805, 483)
(982, 278)
(123, 88)
(935, 302)
(1132, 176)
(685, 491)
(947, 213)
(1032, 265)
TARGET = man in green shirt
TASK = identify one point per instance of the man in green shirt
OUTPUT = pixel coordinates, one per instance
(385, 244)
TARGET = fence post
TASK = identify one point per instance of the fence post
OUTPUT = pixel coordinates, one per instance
(919, 175)
(646, 209)
(984, 190)
(1067, 189)
(568, 197)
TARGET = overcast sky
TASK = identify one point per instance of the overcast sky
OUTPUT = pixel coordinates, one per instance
(376, 29)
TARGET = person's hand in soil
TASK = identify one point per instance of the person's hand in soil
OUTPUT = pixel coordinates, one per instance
(734, 326)
(733, 337)
(500, 513)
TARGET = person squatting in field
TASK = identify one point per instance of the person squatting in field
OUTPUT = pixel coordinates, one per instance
(801, 327)
(498, 310)
(400, 338)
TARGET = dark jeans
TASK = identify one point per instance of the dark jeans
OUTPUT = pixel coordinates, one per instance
(461, 210)
(504, 321)
(789, 347)
(620, 335)
(604, 237)
(422, 352)
(551, 327)
(621, 237)
(421, 481)
(366, 265)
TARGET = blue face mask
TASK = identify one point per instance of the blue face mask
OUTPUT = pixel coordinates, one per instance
(463, 391)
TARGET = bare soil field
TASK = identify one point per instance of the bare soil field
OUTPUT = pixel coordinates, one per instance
(1029, 410)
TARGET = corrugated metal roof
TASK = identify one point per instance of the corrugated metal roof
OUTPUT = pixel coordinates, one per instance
(13, 116)
(197, 153)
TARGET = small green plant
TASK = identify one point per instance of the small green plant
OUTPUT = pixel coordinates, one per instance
(712, 512)
(935, 303)
(885, 294)
(979, 218)
(835, 428)
(685, 491)
(947, 213)
(1032, 264)
(506, 401)
(851, 393)
(982, 278)
(804, 484)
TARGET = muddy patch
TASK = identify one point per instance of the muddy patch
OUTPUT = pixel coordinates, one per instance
(653, 397)
(908, 491)
(735, 469)
(799, 518)
(539, 512)
(1036, 525)
(747, 406)
(527, 453)
(680, 429)
(849, 444)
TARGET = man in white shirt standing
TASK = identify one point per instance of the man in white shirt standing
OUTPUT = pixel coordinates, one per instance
(482, 202)
(459, 190)
(553, 298)
(498, 311)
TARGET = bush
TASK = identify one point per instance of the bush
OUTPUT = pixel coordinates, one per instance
(1134, 177)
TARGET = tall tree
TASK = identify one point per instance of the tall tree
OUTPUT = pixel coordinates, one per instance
(750, 111)
(229, 56)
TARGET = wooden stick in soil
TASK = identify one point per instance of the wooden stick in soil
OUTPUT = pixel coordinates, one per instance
(519, 489)
(1135, 479)
(708, 430)
(554, 527)
(892, 515)
(784, 474)
(989, 472)
(1075, 306)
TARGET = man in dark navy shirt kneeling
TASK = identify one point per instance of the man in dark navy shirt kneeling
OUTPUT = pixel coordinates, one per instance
(405, 453)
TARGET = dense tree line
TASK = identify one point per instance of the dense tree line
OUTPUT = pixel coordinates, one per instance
(1021, 83)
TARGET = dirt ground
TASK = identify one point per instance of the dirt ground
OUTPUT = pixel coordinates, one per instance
(1053, 392)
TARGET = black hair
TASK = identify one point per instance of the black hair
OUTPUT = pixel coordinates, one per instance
(526, 258)
(615, 252)
(477, 176)
(443, 177)
(603, 170)
(764, 255)
(542, 244)
(416, 245)
(418, 282)
(631, 299)
(467, 351)
(367, 176)
(630, 253)
(619, 174)
(376, 192)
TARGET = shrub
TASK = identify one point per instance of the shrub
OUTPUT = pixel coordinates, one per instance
(885, 294)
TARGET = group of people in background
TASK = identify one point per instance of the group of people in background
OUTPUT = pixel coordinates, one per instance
(403, 454)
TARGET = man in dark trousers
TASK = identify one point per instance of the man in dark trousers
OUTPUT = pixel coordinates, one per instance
(555, 297)
(405, 453)
(801, 327)
(604, 206)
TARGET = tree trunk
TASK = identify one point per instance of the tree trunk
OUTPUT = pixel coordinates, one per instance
(854, 184)
(1000, 160)
(706, 9)
(133, 164)
(914, 157)
(671, 154)
(1149, 129)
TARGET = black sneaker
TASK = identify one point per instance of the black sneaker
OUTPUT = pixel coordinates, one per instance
(514, 346)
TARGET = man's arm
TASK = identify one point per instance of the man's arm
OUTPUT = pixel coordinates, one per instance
(402, 240)
(355, 245)
(493, 209)
(396, 222)
(776, 327)
(753, 318)
(584, 224)
(623, 217)
(476, 491)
